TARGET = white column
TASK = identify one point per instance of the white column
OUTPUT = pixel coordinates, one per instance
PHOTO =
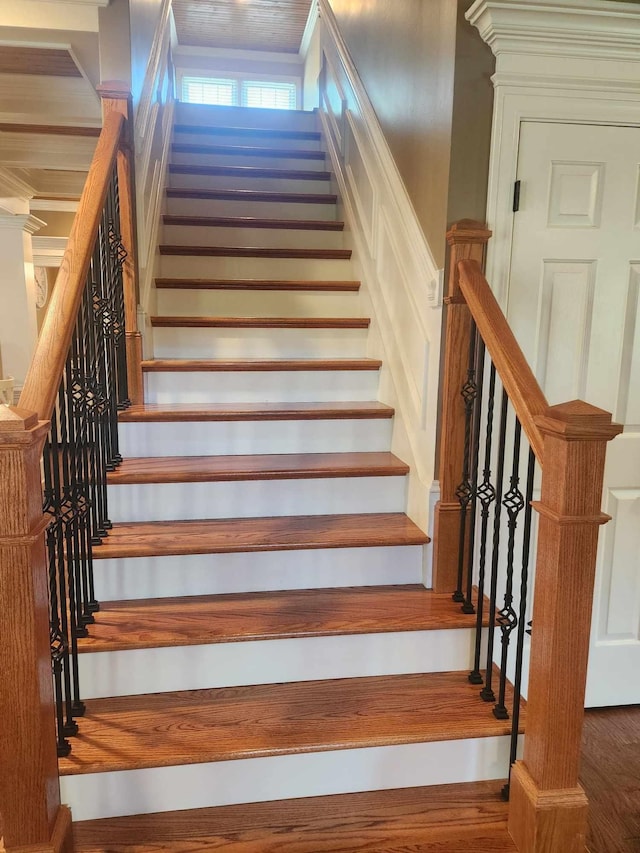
(18, 324)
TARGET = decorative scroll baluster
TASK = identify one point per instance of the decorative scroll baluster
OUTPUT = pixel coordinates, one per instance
(464, 492)
(507, 619)
(487, 691)
(486, 494)
(522, 616)
(468, 606)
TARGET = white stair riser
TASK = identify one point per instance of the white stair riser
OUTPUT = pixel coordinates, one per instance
(272, 238)
(186, 342)
(261, 209)
(160, 670)
(197, 438)
(283, 777)
(261, 387)
(259, 161)
(259, 141)
(258, 303)
(256, 117)
(255, 498)
(127, 578)
(314, 269)
(236, 182)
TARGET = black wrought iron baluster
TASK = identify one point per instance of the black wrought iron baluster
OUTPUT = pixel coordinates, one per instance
(468, 606)
(487, 691)
(507, 619)
(486, 494)
(463, 492)
(119, 254)
(522, 616)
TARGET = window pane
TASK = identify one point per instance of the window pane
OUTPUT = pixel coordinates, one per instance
(279, 96)
(203, 90)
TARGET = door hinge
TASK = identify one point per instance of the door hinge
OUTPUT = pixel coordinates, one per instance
(516, 197)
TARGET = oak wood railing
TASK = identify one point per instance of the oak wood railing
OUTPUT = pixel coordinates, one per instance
(63, 411)
(548, 808)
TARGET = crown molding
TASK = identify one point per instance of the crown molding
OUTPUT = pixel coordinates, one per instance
(21, 222)
(590, 29)
(48, 251)
(57, 205)
(12, 186)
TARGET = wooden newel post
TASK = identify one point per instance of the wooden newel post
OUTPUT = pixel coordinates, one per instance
(30, 811)
(548, 808)
(467, 240)
(116, 97)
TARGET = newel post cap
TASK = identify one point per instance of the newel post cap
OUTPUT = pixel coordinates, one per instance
(468, 231)
(14, 419)
(578, 421)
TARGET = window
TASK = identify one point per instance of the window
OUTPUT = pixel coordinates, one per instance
(230, 92)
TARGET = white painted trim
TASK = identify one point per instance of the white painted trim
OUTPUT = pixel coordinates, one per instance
(13, 186)
(386, 236)
(59, 205)
(551, 81)
(99, 3)
(309, 27)
(256, 780)
(48, 251)
(157, 55)
(192, 52)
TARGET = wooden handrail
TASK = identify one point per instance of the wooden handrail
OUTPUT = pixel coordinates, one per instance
(513, 369)
(43, 378)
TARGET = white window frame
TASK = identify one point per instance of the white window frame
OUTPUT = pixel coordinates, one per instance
(240, 79)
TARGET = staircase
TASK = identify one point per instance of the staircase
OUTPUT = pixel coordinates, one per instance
(264, 631)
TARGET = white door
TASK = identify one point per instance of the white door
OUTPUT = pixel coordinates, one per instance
(574, 305)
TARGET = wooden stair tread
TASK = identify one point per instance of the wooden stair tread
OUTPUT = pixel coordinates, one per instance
(248, 151)
(256, 411)
(272, 132)
(464, 818)
(253, 222)
(252, 195)
(262, 322)
(199, 620)
(250, 172)
(255, 252)
(214, 365)
(279, 533)
(221, 724)
(254, 284)
(281, 466)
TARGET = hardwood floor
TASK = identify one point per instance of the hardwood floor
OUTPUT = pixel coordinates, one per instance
(611, 777)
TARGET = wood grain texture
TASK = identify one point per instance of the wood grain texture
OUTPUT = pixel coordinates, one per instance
(191, 727)
(253, 132)
(47, 61)
(50, 129)
(256, 412)
(252, 195)
(466, 240)
(444, 818)
(198, 620)
(517, 377)
(42, 381)
(254, 222)
(610, 774)
(261, 322)
(218, 365)
(273, 25)
(282, 466)
(255, 252)
(247, 151)
(545, 803)
(255, 284)
(248, 172)
(237, 535)
(29, 796)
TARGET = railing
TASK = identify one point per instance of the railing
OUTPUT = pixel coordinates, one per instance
(56, 448)
(501, 445)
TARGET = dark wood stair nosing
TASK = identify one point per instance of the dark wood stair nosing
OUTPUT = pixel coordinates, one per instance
(256, 412)
(168, 365)
(271, 132)
(249, 172)
(253, 222)
(252, 195)
(255, 252)
(178, 321)
(256, 284)
(248, 151)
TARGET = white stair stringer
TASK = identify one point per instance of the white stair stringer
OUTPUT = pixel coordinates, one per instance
(128, 578)
(236, 664)
(252, 780)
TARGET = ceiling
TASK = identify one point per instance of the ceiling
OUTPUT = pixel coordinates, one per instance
(270, 25)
